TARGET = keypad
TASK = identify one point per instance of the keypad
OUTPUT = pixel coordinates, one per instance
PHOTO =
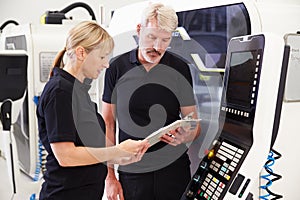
(221, 170)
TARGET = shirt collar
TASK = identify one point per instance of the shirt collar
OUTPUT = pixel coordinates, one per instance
(134, 57)
(86, 85)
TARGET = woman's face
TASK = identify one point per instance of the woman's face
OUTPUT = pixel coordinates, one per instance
(95, 62)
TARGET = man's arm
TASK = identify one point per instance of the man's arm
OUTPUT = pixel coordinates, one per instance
(184, 112)
(113, 186)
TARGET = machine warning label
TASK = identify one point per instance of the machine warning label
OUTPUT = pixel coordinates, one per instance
(46, 60)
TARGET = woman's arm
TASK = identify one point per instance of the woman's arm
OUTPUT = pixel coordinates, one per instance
(69, 155)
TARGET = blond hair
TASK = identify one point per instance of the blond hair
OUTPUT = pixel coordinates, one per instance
(166, 16)
(88, 34)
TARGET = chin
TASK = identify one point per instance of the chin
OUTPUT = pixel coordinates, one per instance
(153, 60)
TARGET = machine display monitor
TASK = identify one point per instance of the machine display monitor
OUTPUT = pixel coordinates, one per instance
(241, 81)
(13, 76)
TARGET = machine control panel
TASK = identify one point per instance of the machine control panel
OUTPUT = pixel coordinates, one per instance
(215, 172)
(246, 120)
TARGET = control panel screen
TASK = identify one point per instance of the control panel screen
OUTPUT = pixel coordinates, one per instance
(13, 70)
(241, 81)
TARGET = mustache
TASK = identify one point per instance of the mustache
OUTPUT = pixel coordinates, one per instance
(154, 51)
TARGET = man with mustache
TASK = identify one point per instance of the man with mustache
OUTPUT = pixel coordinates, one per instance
(146, 89)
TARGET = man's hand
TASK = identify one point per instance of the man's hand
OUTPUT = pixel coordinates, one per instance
(178, 136)
(113, 189)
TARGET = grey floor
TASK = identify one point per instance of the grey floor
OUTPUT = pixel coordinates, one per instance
(26, 187)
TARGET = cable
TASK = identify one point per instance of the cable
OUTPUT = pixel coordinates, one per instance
(273, 155)
(79, 4)
(40, 165)
(56, 17)
(6, 23)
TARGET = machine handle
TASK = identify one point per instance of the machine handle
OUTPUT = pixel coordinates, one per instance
(5, 114)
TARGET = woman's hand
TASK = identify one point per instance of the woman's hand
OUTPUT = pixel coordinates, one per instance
(133, 147)
(132, 151)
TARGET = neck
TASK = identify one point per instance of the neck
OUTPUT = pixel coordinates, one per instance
(74, 71)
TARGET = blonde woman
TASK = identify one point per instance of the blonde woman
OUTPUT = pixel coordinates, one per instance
(70, 128)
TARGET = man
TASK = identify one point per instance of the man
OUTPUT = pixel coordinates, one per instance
(146, 89)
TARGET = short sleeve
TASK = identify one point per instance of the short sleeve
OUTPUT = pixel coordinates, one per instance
(109, 85)
(185, 84)
(59, 118)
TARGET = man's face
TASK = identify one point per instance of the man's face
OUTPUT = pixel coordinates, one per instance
(153, 42)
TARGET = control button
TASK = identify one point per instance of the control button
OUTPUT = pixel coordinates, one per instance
(221, 157)
(227, 177)
(207, 179)
(222, 185)
(215, 180)
(238, 155)
(234, 164)
(227, 150)
(231, 168)
(240, 151)
(224, 169)
(236, 184)
(236, 160)
(214, 185)
(229, 146)
(211, 154)
(205, 183)
(209, 192)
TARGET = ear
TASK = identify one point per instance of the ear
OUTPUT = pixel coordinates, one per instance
(138, 29)
(80, 53)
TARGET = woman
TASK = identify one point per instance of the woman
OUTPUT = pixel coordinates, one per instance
(71, 130)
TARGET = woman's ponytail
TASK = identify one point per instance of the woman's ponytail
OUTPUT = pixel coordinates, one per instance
(58, 60)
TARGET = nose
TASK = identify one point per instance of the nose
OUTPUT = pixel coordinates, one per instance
(106, 65)
(106, 62)
(157, 44)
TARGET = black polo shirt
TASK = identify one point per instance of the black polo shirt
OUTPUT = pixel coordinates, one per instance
(66, 113)
(146, 101)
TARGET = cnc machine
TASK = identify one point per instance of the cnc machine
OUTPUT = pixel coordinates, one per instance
(41, 42)
(202, 39)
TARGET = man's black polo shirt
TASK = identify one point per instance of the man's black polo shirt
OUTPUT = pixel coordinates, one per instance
(146, 101)
(66, 114)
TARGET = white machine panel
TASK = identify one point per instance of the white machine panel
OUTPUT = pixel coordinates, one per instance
(41, 43)
(248, 106)
(292, 88)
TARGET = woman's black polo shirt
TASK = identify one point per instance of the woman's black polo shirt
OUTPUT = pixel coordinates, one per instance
(66, 113)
